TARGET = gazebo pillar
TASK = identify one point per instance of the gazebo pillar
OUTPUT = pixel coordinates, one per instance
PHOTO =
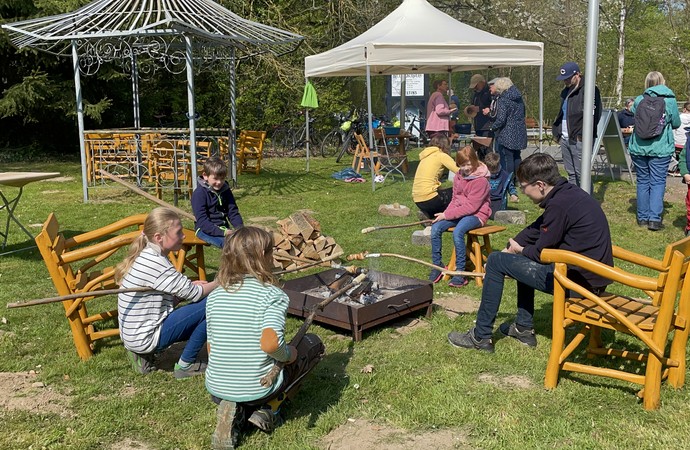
(191, 107)
(80, 119)
(232, 134)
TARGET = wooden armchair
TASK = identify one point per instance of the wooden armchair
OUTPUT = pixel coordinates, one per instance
(91, 250)
(250, 148)
(657, 319)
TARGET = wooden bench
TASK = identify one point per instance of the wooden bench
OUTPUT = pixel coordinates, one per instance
(477, 251)
(91, 250)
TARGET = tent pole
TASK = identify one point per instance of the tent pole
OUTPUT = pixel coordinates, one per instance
(306, 117)
(403, 103)
(232, 133)
(80, 119)
(541, 105)
(371, 130)
(135, 92)
(590, 83)
(191, 107)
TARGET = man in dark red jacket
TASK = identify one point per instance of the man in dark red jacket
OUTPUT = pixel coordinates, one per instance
(572, 220)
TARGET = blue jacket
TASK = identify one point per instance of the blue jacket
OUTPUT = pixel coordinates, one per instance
(215, 211)
(662, 145)
(509, 125)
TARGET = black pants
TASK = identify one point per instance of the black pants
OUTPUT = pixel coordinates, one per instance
(437, 204)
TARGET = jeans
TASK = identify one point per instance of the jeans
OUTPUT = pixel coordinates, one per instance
(462, 226)
(216, 241)
(651, 184)
(186, 323)
(572, 160)
(510, 160)
(530, 275)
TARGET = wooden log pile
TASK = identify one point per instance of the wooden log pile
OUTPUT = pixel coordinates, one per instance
(299, 239)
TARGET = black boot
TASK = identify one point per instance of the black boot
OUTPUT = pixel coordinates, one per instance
(654, 226)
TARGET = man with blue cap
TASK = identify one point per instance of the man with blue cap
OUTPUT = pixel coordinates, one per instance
(567, 128)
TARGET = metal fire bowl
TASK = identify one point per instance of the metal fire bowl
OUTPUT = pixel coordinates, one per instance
(417, 294)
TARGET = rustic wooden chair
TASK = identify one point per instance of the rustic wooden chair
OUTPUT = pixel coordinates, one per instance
(477, 252)
(91, 249)
(364, 155)
(100, 151)
(250, 148)
(659, 318)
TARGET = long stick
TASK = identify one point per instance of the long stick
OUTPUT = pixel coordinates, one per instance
(61, 298)
(462, 273)
(270, 377)
(403, 225)
(147, 195)
(311, 264)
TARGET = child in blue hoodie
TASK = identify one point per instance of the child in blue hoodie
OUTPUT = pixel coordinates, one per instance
(213, 204)
(499, 182)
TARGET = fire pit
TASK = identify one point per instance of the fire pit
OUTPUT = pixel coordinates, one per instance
(384, 297)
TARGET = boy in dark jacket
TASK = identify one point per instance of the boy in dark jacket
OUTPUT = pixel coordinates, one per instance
(214, 205)
(572, 220)
(499, 182)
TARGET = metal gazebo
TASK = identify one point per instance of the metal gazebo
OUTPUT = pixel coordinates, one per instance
(146, 35)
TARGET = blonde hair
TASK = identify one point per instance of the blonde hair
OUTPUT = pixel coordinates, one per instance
(157, 222)
(502, 84)
(654, 79)
(247, 251)
(467, 154)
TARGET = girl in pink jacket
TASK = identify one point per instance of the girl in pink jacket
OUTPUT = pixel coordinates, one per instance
(469, 208)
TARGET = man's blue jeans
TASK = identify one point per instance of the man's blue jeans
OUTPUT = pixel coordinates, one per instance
(530, 275)
(510, 160)
(186, 323)
(462, 226)
(651, 184)
(216, 241)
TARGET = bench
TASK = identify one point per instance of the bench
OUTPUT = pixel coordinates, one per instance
(477, 251)
(91, 250)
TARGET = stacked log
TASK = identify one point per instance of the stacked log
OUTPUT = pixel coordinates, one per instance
(298, 239)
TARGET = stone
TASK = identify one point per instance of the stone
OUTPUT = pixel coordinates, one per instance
(510, 216)
(422, 237)
(395, 210)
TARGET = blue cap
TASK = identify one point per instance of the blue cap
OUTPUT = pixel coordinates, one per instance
(567, 70)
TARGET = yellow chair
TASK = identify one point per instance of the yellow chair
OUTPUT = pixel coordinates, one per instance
(477, 252)
(250, 148)
(659, 318)
(92, 249)
(364, 155)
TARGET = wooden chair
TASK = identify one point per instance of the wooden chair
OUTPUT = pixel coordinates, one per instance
(250, 148)
(477, 252)
(91, 250)
(364, 155)
(660, 317)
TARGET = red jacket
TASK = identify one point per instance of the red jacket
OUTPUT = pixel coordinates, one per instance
(471, 196)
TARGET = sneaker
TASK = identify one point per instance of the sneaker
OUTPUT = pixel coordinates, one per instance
(266, 420)
(655, 225)
(467, 340)
(230, 419)
(642, 223)
(526, 337)
(196, 368)
(142, 363)
(458, 281)
(435, 275)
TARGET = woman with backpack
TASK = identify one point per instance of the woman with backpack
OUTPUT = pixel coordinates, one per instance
(652, 146)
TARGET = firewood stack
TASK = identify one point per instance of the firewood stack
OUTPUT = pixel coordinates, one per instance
(299, 236)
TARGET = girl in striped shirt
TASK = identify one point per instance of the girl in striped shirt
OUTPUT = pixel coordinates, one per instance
(246, 334)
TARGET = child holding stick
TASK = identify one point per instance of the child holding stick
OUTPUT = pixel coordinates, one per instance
(468, 209)
(246, 334)
(149, 321)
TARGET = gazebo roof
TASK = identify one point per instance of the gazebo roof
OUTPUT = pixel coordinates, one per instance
(144, 21)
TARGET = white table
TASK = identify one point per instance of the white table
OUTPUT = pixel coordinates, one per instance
(17, 180)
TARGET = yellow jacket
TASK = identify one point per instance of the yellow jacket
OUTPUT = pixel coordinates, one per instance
(432, 161)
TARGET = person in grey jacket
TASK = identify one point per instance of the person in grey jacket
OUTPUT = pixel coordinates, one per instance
(509, 127)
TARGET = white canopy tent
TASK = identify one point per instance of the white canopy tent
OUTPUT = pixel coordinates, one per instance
(439, 44)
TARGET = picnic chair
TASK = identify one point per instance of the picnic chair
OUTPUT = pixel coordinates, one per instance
(656, 320)
(250, 147)
(91, 249)
(363, 155)
(389, 162)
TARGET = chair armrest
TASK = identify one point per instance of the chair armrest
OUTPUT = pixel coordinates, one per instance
(636, 258)
(135, 220)
(612, 273)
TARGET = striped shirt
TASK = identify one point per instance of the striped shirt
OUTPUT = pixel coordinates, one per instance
(141, 314)
(234, 322)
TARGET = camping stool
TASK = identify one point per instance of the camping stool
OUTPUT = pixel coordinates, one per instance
(477, 252)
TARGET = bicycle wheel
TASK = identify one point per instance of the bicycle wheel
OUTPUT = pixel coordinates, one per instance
(280, 142)
(347, 145)
(331, 143)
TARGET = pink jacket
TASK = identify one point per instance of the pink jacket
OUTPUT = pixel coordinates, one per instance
(437, 113)
(471, 196)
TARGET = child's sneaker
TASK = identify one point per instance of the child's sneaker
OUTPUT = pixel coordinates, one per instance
(458, 281)
(435, 275)
(230, 419)
(266, 420)
(196, 368)
(142, 363)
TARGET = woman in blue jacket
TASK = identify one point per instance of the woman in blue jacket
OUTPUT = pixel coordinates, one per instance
(651, 157)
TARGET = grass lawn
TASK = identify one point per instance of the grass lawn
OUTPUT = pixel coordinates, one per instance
(419, 383)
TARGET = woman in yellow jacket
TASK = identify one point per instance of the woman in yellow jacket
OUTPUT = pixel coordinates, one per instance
(427, 180)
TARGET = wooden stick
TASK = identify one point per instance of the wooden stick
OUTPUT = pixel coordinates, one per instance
(403, 225)
(270, 377)
(361, 256)
(311, 264)
(61, 298)
(147, 195)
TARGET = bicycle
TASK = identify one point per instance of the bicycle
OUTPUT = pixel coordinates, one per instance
(359, 126)
(334, 139)
(287, 139)
(421, 136)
